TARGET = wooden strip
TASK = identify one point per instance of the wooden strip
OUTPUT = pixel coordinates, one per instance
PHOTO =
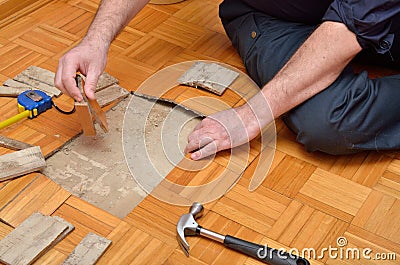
(6, 91)
(89, 209)
(85, 118)
(13, 188)
(89, 250)
(50, 90)
(40, 74)
(99, 114)
(93, 107)
(31, 239)
(13, 83)
(13, 144)
(111, 94)
(105, 80)
(21, 162)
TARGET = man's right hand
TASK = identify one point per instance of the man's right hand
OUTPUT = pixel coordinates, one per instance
(87, 58)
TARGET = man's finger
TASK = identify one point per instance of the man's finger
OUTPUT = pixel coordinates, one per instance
(69, 83)
(207, 150)
(57, 79)
(198, 143)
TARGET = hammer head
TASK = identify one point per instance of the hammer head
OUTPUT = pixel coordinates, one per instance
(187, 226)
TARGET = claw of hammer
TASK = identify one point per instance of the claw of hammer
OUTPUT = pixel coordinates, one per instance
(187, 226)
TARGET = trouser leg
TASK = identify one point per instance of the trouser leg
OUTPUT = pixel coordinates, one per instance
(354, 113)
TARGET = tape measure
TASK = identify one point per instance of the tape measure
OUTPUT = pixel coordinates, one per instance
(31, 103)
(34, 101)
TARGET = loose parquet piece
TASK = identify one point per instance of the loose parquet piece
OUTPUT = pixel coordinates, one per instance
(13, 144)
(12, 88)
(99, 114)
(85, 118)
(40, 74)
(93, 109)
(32, 238)
(21, 162)
(89, 250)
(210, 76)
(105, 80)
(111, 94)
(6, 91)
(49, 89)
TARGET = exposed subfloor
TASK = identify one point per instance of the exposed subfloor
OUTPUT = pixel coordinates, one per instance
(95, 168)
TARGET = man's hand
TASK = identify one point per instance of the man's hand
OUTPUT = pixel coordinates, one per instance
(87, 58)
(90, 56)
(223, 130)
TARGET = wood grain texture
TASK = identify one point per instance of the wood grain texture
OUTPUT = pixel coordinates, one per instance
(88, 251)
(6, 91)
(85, 118)
(31, 239)
(33, 77)
(111, 94)
(21, 162)
(13, 144)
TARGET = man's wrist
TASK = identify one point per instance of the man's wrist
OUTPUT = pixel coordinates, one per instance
(96, 42)
(261, 109)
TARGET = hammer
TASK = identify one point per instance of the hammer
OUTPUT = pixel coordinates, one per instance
(187, 226)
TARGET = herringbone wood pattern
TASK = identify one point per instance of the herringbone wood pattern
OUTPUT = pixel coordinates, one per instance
(307, 201)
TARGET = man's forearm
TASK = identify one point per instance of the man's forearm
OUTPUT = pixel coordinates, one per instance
(111, 17)
(314, 66)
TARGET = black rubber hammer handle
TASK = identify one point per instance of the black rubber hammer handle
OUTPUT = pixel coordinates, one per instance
(262, 253)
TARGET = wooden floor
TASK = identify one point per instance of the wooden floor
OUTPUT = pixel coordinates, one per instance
(308, 200)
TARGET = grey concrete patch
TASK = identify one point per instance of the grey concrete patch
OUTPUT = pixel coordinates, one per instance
(157, 131)
(94, 168)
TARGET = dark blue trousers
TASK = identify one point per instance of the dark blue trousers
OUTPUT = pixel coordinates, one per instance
(354, 113)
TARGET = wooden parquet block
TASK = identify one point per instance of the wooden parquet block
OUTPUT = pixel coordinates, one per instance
(125, 39)
(92, 211)
(11, 189)
(148, 19)
(389, 183)
(178, 257)
(335, 191)
(289, 176)
(178, 32)
(41, 195)
(147, 219)
(134, 246)
(143, 51)
(83, 223)
(215, 45)
(379, 215)
(202, 13)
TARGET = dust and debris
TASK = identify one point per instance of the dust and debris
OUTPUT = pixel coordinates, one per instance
(95, 168)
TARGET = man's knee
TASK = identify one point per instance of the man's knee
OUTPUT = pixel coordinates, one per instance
(318, 134)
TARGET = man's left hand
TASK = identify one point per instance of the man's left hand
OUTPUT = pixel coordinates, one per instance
(223, 130)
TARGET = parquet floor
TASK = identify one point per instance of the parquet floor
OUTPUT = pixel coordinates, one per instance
(308, 200)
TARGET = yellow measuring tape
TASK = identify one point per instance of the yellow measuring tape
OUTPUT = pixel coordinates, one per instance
(14, 119)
